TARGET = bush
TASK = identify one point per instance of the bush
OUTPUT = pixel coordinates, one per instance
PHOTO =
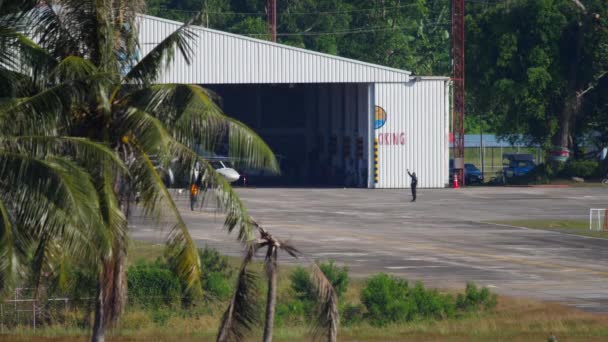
(475, 299)
(216, 277)
(217, 274)
(386, 299)
(153, 284)
(351, 314)
(432, 304)
(581, 168)
(293, 312)
(302, 285)
(389, 300)
(217, 286)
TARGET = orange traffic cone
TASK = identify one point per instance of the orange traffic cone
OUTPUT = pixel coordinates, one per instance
(456, 186)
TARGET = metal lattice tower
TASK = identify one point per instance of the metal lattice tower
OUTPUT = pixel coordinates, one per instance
(271, 18)
(458, 34)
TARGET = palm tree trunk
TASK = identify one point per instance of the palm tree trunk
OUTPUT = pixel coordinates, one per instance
(99, 327)
(271, 301)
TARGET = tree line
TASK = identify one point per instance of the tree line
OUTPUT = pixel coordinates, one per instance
(536, 70)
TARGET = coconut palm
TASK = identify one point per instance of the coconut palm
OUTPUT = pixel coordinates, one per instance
(80, 89)
(47, 199)
(242, 312)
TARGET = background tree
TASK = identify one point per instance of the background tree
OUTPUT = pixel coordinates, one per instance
(535, 66)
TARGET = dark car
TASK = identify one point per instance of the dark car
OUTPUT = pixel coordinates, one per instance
(517, 164)
(472, 175)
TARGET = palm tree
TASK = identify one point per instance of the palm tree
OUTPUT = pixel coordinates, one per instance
(82, 92)
(47, 199)
(242, 312)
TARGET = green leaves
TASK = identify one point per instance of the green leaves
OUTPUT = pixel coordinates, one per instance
(194, 119)
(149, 67)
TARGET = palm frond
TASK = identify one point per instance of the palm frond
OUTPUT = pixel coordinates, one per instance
(49, 198)
(80, 149)
(32, 57)
(180, 243)
(243, 311)
(195, 119)
(60, 186)
(73, 68)
(151, 135)
(59, 27)
(44, 111)
(327, 317)
(237, 215)
(290, 249)
(147, 70)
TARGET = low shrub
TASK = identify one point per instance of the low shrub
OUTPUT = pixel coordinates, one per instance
(217, 274)
(474, 299)
(351, 314)
(388, 299)
(581, 168)
(293, 312)
(161, 316)
(301, 282)
(217, 286)
(153, 284)
(305, 301)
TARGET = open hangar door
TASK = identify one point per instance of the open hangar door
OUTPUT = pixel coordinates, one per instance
(319, 132)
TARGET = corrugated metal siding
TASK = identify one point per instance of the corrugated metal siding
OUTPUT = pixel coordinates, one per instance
(418, 110)
(224, 58)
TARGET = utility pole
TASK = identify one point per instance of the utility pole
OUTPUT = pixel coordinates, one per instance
(271, 19)
(458, 33)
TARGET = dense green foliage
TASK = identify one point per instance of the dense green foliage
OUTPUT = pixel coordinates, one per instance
(390, 300)
(152, 285)
(303, 287)
(537, 70)
(411, 35)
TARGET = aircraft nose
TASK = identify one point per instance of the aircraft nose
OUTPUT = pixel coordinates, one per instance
(230, 174)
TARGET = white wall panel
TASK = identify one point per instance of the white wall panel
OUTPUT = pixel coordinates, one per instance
(414, 135)
(224, 58)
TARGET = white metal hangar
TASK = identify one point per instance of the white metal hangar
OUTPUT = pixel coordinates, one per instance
(331, 121)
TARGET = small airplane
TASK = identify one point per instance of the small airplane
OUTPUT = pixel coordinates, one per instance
(222, 166)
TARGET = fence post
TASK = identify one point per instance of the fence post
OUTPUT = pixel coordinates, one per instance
(1, 318)
(34, 313)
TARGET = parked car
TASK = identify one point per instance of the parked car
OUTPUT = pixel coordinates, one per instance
(515, 165)
(472, 175)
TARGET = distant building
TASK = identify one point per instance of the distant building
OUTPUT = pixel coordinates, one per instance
(332, 120)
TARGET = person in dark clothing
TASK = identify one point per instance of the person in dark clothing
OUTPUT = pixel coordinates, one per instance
(414, 184)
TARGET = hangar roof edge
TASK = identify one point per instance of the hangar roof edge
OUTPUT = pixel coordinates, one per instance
(398, 75)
